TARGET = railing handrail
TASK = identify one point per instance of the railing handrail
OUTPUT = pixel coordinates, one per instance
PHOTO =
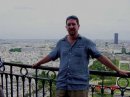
(30, 66)
(93, 72)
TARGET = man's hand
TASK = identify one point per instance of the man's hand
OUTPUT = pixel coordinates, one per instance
(123, 72)
(42, 61)
(35, 65)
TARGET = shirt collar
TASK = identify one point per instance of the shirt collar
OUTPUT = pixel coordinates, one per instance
(79, 37)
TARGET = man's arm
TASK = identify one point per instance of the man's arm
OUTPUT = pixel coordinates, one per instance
(104, 60)
(42, 61)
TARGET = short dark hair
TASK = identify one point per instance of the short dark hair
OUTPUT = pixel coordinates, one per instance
(72, 17)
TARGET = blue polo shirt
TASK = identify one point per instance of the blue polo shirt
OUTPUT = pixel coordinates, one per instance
(74, 59)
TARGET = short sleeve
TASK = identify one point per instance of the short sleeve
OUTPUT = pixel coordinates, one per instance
(54, 54)
(92, 50)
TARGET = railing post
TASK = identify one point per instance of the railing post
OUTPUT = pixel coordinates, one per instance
(122, 92)
(23, 79)
(36, 81)
(50, 82)
(123, 88)
(1, 81)
(43, 85)
(6, 77)
(112, 92)
(11, 79)
(1, 92)
(92, 87)
(29, 87)
(17, 79)
(102, 86)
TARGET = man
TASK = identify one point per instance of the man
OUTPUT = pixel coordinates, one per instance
(74, 52)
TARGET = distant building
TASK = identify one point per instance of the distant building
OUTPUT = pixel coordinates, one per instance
(116, 38)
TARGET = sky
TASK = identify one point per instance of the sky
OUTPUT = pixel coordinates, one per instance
(45, 19)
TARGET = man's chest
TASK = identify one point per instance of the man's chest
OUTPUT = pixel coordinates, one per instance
(78, 49)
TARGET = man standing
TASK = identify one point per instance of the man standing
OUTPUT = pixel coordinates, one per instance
(74, 52)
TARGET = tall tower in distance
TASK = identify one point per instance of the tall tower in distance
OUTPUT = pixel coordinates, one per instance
(116, 38)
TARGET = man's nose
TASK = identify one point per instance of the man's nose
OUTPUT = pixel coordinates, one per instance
(71, 26)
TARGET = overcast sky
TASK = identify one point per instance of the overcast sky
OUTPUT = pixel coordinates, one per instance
(45, 19)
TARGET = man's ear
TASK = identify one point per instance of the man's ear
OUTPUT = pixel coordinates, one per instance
(66, 26)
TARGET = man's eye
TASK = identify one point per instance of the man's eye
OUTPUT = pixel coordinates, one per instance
(71, 24)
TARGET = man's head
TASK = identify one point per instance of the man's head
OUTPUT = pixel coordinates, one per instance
(72, 25)
(72, 17)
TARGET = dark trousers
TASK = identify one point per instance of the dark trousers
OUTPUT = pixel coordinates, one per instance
(72, 93)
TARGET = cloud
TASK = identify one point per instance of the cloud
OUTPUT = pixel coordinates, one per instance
(45, 18)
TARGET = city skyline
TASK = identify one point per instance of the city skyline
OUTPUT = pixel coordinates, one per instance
(45, 19)
(116, 38)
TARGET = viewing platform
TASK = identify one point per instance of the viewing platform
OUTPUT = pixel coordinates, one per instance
(21, 80)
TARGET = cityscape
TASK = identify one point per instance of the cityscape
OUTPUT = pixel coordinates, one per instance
(29, 51)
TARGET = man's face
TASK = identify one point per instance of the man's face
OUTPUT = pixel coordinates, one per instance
(72, 27)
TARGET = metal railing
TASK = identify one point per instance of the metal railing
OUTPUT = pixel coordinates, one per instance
(19, 80)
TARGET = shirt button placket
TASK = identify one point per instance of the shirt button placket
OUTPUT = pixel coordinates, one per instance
(68, 73)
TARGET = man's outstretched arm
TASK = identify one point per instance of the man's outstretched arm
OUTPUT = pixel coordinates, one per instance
(42, 61)
(104, 60)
